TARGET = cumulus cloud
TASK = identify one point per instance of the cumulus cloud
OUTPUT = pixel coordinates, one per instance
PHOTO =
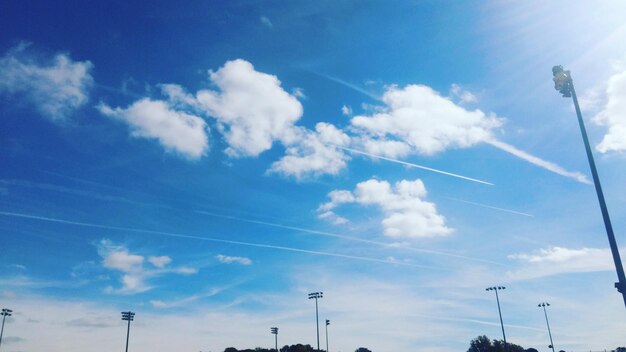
(613, 115)
(407, 214)
(418, 116)
(134, 274)
(559, 260)
(55, 87)
(314, 153)
(175, 130)
(251, 108)
(233, 260)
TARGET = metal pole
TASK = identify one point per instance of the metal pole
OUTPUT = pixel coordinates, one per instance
(5, 313)
(276, 341)
(501, 323)
(317, 322)
(547, 323)
(2, 331)
(565, 84)
(127, 334)
(327, 323)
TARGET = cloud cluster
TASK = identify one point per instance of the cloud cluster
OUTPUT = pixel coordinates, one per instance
(134, 273)
(253, 112)
(613, 115)
(407, 214)
(55, 87)
(424, 121)
(314, 153)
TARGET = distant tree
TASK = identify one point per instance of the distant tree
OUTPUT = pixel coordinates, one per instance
(620, 349)
(531, 350)
(480, 344)
(231, 349)
(362, 349)
(483, 344)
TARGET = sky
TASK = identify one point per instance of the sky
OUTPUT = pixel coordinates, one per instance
(208, 164)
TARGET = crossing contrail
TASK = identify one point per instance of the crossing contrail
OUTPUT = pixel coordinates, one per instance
(216, 240)
(413, 165)
(344, 237)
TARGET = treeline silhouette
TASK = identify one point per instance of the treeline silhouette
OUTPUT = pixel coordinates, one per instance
(293, 348)
(484, 344)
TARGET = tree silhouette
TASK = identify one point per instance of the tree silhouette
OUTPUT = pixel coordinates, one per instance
(362, 349)
(483, 344)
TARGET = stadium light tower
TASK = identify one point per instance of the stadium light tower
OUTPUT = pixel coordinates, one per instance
(496, 289)
(128, 316)
(327, 323)
(316, 295)
(545, 313)
(275, 332)
(5, 313)
(565, 85)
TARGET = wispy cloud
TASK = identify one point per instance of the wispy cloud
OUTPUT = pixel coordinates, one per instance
(134, 274)
(55, 87)
(560, 260)
(233, 260)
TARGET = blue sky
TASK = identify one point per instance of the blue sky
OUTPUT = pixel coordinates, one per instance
(207, 165)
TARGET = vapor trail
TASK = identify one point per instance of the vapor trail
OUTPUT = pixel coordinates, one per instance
(550, 166)
(209, 239)
(350, 238)
(413, 165)
(490, 207)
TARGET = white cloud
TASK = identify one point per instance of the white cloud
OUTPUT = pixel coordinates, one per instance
(559, 260)
(407, 214)
(55, 87)
(134, 275)
(426, 121)
(462, 95)
(175, 130)
(613, 115)
(346, 110)
(251, 108)
(266, 21)
(230, 260)
(314, 153)
(160, 262)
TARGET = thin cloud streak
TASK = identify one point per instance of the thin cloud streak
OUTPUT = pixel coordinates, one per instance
(217, 240)
(550, 166)
(490, 207)
(348, 85)
(343, 237)
(414, 165)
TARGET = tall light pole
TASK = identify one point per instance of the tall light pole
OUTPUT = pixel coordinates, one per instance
(327, 323)
(565, 85)
(5, 313)
(275, 332)
(316, 295)
(496, 289)
(128, 316)
(545, 313)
